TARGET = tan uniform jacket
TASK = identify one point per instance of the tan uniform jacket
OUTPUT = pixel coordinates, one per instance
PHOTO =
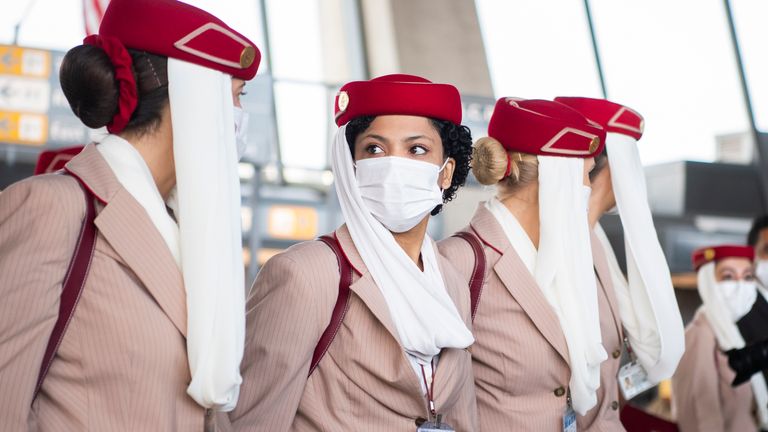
(520, 356)
(703, 398)
(364, 382)
(605, 415)
(122, 365)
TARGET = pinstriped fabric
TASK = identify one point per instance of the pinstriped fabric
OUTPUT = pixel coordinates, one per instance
(122, 364)
(604, 417)
(520, 355)
(364, 382)
(701, 387)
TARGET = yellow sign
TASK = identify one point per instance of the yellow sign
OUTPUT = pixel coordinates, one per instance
(292, 222)
(21, 128)
(24, 61)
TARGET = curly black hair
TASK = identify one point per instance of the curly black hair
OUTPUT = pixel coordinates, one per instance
(457, 144)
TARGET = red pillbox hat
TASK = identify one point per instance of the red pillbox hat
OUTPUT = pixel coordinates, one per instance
(611, 116)
(181, 31)
(397, 94)
(546, 128)
(716, 253)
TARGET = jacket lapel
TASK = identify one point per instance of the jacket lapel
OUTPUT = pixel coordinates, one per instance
(124, 224)
(519, 281)
(364, 286)
(605, 280)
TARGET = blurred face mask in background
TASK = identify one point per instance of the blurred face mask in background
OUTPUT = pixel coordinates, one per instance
(739, 296)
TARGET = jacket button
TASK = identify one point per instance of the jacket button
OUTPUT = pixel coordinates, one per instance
(614, 405)
(420, 421)
(617, 353)
(559, 392)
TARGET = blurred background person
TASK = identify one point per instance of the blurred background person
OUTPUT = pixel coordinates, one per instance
(733, 314)
(758, 239)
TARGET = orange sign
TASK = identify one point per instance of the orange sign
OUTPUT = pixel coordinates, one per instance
(21, 128)
(24, 61)
(292, 222)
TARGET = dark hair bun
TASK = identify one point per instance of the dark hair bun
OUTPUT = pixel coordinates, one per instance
(88, 81)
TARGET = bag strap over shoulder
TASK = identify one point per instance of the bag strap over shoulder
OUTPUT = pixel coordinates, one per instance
(72, 288)
(478, 272)
(342, 302)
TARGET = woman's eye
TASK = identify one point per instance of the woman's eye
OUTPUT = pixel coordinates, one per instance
(749, 277)
(727, 277)
(373, 149)
(243, 93)
(418, 150)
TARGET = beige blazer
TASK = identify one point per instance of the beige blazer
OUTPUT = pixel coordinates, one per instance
(122, 365)
(520, 357)
(365, 381)
(702, 395)
(605, 415)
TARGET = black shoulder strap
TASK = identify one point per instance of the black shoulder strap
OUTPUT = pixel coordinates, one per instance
(342, 302)
(478, 272)
(72, 288)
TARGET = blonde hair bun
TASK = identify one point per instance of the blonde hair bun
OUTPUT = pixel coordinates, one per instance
(489, 161)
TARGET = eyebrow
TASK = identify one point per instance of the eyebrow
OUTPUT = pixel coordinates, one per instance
(417, 137)
(376, 137)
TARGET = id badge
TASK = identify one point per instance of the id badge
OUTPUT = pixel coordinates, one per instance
(569, 420)
(633, 380)
(435, 426)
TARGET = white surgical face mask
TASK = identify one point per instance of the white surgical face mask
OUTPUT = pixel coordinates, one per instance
(241, 131)
(739, 297)
(587, 191)
(399, 192)
(761, 271)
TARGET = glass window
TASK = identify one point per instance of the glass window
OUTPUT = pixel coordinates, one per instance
(538, 49)
(303, 118)
(750, 18)
(674, 63)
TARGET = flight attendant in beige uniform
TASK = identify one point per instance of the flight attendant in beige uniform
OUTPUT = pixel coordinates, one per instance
(399, 357)
(538, 348)
(642, 306)
(154, 339)
(702, 393)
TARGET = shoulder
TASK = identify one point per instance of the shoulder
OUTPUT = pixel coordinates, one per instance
(53, 198)
(699, 335)
(308, 268)
(459, 253)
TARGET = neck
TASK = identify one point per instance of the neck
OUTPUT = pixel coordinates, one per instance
(412, 240)
(524, 205)
(598, 205)
(157, 152)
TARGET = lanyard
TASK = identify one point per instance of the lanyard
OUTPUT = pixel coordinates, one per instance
(430, 388)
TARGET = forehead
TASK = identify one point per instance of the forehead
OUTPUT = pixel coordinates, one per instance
(402, 126)
(733, 264)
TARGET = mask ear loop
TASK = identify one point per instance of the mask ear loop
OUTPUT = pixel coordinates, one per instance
(439, 207)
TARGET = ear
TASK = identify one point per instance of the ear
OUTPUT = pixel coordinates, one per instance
(446, 175)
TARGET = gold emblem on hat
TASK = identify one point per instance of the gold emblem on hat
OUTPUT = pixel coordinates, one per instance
(247, 57)
(594, 144)
(343, 101)
(709, 254)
